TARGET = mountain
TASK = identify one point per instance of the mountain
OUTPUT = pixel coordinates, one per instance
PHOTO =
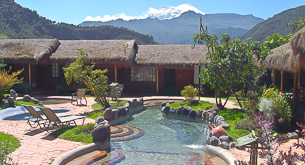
(19, 22)
(180, 30)
(275, 24)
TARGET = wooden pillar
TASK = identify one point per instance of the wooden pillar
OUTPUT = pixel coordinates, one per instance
(295, 92)
(30, 76)
(115, 73)
(157, 80)
(282, 80)
(274, 76)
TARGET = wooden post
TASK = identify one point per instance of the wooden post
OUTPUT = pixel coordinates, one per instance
(274, 76)
(295, 93)
(30, 76)
(115, 73)
(282, 80)
(157, 79)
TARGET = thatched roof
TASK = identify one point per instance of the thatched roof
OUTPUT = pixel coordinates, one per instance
(27, 50)
(279, 58)
(297, 43)
(171, 55)
(98, 50)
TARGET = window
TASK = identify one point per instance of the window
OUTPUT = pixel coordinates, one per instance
(143, 74)
(55, 70)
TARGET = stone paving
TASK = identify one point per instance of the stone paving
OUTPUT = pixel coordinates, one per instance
(38, 147)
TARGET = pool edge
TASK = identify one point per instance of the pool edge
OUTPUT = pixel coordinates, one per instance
(224, 154)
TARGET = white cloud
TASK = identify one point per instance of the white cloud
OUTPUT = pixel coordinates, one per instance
(164, 12)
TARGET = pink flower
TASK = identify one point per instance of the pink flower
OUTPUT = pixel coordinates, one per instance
(303, 130)
(280, 119)
(282, 94)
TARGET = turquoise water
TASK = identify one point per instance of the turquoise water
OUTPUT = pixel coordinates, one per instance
(165, 141)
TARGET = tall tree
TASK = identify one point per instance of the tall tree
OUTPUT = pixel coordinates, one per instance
(94, 79)
(298, 24)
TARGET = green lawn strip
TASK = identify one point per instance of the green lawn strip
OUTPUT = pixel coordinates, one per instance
(113, 104)
(18, 103)
(78, 133)
(13, 142)
(202, 105)
(94, 114)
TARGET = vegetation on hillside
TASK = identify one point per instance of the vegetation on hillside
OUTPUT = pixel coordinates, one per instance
(275, 24)
(19, 22)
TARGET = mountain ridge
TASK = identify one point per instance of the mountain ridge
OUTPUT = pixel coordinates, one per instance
(180, 30)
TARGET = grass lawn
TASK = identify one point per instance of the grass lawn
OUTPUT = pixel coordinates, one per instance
(13, 142)
(18, 103)
(202, 105)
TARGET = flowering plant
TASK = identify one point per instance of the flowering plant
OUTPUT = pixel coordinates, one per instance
(281, 104)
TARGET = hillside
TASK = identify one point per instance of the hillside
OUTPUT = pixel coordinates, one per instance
(180, 30)
(19, 22)
(275, 24)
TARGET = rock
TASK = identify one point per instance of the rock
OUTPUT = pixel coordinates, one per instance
(214, 141)
(141, 101)
(13, 93)
(135, 103)
(232, 144)
(36, 101)
(172, 110)
(199, 112)
(115, 114)
(11, 101)
(186, 111)
(98, 120)
(124, 113)
(192, 114)
(166, 110)
(225, 125)
(127, 111)
(298, 133)
(180, 110)
(215, 118)
(101, 132)
(6, 104)
(275, 136)
(108, 114)
(292, 135)
(225, 138)
(205, 115)
(224, 145)
(211, 117)
(127, 105)
(27, 98)
(219, 120)
(163, 104)
(131, 105)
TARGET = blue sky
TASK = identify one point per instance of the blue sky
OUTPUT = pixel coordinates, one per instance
(76, 11)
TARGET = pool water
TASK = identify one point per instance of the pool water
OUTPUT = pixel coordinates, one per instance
(165, 141)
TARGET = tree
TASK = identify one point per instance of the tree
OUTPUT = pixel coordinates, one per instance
(297, 25)
(7, 80)
(232, 65)
(276, 40)
(94, 79)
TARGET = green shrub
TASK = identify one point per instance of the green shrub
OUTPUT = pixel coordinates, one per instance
(266, 106)
(189, 92)
(23, 87)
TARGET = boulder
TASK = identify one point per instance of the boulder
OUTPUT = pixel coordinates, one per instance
(163, 104)
(219, 120)
(215, 118)
(172, 110)
(186, 111)
(180, 110)
(225, 138)
(199, 112)
(13, 93)
(292, 135)
(130, 104)
(165, 110)
(11, 101)
(101, 132)
(6, 104)
(193, 114)
(141, 101)
(36, 101)
(123, 111)
(27, 98)
(211, 117)
(225, 125)
(233, 144)
(135, 103)
(115, 114)
(205, 115)
(98, 120)
(224, 145)
(214, 141)
(108, 114)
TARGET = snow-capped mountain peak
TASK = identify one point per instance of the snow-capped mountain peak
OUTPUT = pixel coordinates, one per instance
(169, 12)
(164, 12)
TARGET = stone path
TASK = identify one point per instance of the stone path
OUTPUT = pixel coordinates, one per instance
(40, 148)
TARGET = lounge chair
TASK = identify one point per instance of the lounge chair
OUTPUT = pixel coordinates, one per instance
(64, 121)
(36, 119)
(81, 93)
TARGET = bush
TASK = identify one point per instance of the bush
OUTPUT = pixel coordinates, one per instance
(266, 106)
(189, 92)
(7, 80)
(281, 104)
(245, 124)
(23, 87)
